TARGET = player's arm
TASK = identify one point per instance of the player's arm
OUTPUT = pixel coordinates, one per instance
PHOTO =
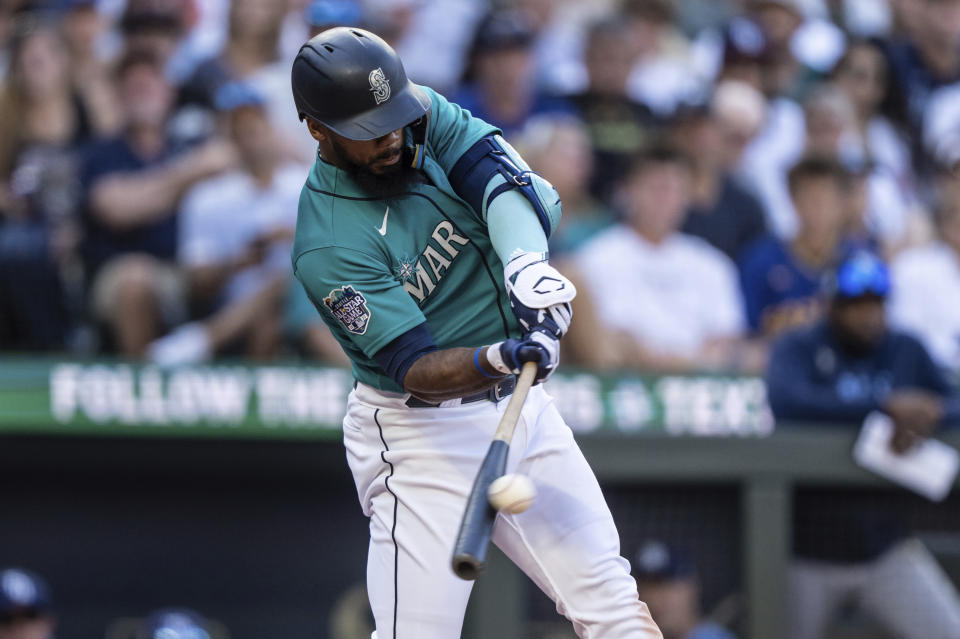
(354, 290)
(415, 363)
(520, 208)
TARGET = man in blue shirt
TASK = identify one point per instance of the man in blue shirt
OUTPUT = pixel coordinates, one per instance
(780, 279)
(838, 371)
(132, 184)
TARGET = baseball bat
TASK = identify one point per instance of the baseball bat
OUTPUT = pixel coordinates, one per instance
(470, 551)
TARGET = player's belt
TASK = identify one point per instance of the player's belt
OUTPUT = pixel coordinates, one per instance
(493, 394)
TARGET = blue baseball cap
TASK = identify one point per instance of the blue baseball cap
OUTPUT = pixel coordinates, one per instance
(656, 560)
(234, 95)
(322, 13)
(23, 592)
(174, 623)
(862, 273)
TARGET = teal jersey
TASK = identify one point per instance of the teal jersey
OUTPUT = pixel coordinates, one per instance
(375, 268)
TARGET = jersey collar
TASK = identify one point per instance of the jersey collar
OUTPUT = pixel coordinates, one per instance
(327, 177)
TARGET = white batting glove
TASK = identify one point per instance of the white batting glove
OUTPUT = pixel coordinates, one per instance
(539, 295)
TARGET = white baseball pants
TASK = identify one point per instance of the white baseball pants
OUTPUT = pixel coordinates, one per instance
(414, 468)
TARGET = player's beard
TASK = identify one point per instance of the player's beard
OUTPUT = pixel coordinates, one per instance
(392, 181)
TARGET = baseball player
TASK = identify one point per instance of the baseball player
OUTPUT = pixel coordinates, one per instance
(422, 241)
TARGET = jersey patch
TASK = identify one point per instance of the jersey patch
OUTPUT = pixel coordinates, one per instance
(349, 306)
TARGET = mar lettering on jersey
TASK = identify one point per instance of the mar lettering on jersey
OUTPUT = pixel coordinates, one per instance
(421, 275)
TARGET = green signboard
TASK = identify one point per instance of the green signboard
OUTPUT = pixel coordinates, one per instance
(44, 396)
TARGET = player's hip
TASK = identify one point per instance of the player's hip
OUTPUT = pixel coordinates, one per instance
(388, 443)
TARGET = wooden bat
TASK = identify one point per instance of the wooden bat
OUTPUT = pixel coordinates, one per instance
(476, 527)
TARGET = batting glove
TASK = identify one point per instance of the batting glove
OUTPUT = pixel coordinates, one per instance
(539, 295)
(538, 346)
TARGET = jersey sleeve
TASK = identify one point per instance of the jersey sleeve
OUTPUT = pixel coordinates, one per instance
(452, 130)
(357, 296)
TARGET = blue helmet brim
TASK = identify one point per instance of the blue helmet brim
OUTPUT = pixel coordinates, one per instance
(404, 107)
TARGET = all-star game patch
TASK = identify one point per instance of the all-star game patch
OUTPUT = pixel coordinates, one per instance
(350, 308)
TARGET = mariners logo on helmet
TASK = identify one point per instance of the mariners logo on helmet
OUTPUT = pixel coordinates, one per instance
(379, 85)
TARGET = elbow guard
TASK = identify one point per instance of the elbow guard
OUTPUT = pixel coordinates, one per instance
(492, 167)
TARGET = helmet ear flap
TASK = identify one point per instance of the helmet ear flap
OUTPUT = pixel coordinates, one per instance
(419, 131)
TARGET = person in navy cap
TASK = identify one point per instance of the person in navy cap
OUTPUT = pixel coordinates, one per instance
(174, 623)
(26, 609)
(667, 580)
(837, 372)
(850, 363)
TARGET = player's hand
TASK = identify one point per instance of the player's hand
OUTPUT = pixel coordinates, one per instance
(539, 295)
(538, 346)
(915, 414)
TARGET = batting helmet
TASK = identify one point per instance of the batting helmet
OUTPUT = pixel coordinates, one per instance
(352, 82)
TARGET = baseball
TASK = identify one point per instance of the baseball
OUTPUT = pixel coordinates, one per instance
(512, 493)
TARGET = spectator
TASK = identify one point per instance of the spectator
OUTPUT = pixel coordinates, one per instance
(643, 284)
(44, 122)
(157, 26)
(26, 609)
(667, 581)
(559, 27)
(250, 49)
(133, 185)
(721, 211)
(432, 38)
(619, 126)
(234, 241)
(174, 623)
(831, 132)
(781, 280)
(862, 76)
(662, 73)
(251, 55)
(839, 371)
(83, 30)
(924, 59)
(744, 50)
(759, 54)
(500, 88)
(782, 21)
(926, 289)
(558, 148)
(739, 110)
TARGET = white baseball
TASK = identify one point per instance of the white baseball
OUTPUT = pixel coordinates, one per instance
(512, 493)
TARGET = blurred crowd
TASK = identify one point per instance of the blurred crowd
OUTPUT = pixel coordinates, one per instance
(734, 174)
(715, 159)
